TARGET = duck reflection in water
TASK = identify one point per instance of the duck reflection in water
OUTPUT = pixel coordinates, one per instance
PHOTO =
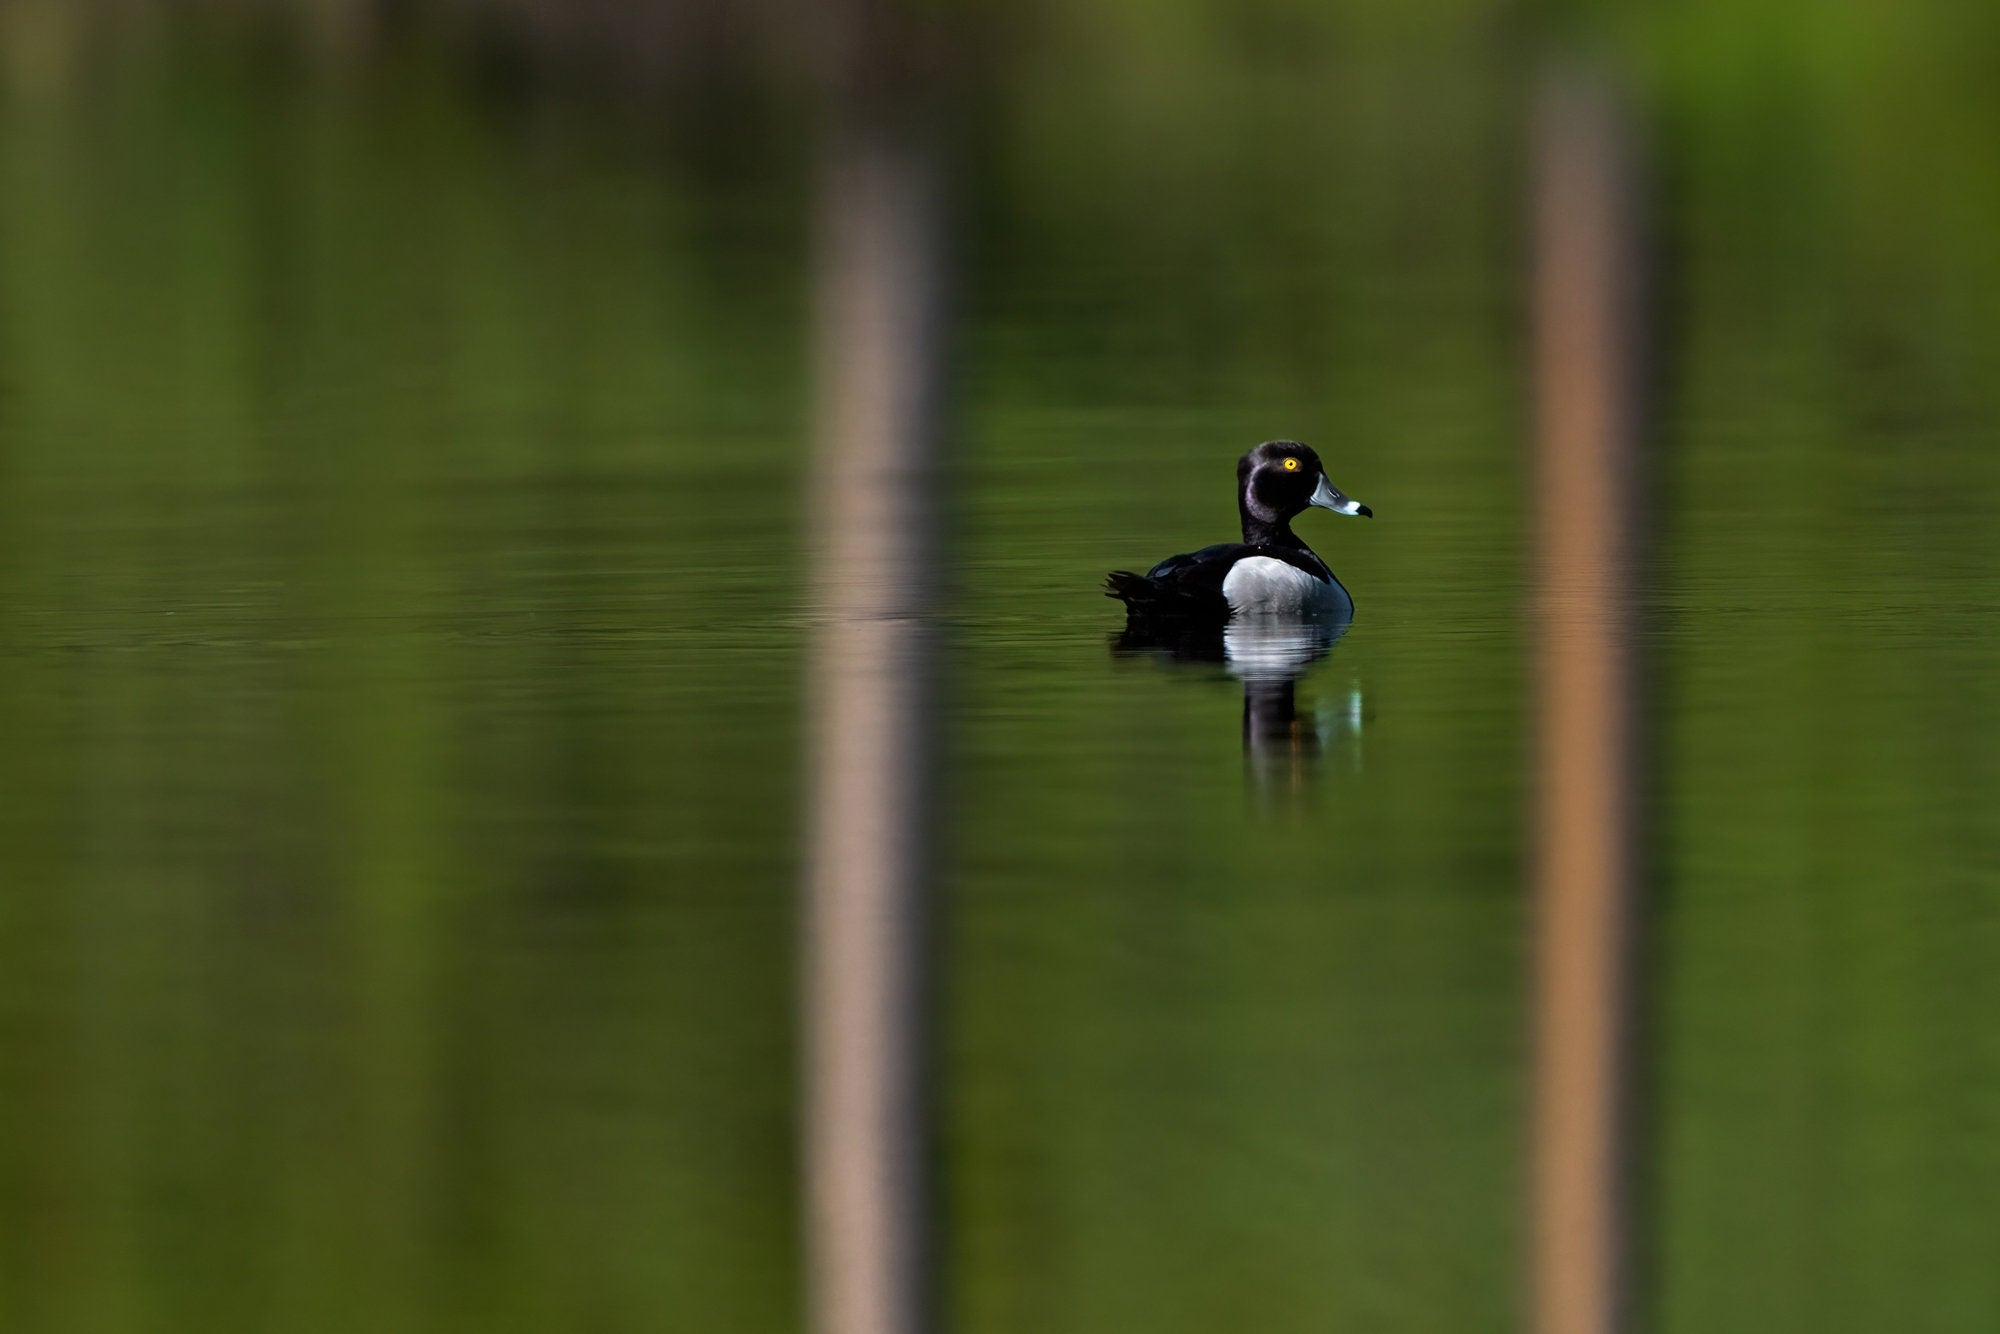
(1281, 743)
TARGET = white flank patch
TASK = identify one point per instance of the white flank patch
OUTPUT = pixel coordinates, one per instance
(1266, 586)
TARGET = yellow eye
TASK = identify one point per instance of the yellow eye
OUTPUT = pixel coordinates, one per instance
(1291, 465)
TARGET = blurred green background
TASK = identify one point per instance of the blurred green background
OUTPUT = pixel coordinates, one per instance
(402, 437)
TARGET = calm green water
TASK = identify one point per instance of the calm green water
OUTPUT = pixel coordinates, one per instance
(402, 653)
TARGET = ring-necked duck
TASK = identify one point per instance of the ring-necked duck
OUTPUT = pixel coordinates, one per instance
(1270, 572)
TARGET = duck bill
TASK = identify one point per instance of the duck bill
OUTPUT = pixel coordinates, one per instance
(1327, 496)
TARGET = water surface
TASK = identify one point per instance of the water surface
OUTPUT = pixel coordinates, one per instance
(400, 567)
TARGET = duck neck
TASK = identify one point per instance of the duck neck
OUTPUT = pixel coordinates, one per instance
(1266, 530)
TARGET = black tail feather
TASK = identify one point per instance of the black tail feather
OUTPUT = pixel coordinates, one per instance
(1155, 599)
(1131, 589)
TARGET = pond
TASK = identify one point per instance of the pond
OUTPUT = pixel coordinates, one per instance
(401, 559)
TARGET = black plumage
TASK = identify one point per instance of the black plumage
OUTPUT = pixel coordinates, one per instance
(1274, 482)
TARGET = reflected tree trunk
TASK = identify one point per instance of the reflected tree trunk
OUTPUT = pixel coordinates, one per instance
(343, 33)
(874, 497)
(1589, 350)
(41, 42)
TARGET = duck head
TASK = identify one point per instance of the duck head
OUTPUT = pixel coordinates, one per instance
(1282, 478)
